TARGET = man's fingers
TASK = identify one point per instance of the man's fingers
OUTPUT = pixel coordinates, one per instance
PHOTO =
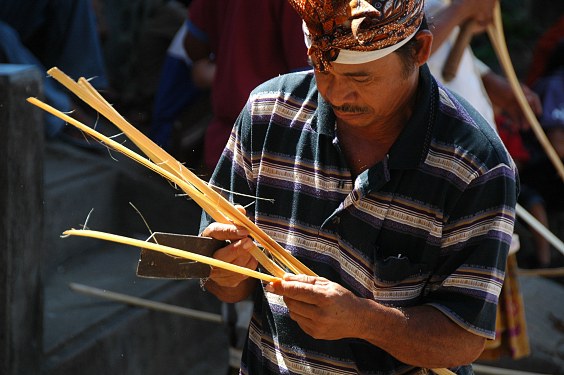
(301, 278)
(533, 100)
(225, 232)
(236, 252)
(299, 287)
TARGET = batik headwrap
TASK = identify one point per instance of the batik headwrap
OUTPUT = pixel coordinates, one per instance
(357, 25)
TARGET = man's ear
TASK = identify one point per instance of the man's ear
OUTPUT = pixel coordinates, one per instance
(423, 50)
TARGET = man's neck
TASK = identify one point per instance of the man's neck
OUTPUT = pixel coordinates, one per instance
(365, 146)
(363, 150)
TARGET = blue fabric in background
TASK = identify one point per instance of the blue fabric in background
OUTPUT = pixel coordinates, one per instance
(48, 33)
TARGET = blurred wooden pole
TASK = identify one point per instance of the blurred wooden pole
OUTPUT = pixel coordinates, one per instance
(452, 62)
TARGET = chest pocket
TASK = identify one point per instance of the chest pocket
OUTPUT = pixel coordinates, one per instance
(398, 280)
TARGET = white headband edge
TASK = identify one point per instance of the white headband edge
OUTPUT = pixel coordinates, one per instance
(359, 57)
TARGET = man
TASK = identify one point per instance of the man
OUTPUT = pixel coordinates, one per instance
(399, 196)
(475, 81)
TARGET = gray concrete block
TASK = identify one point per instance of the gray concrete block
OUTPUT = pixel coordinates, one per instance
(21, 222)
(134, 340)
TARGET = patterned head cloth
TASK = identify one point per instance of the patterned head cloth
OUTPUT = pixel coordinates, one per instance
(357, 31)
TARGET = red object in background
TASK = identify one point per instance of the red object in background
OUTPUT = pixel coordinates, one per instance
(512, 140)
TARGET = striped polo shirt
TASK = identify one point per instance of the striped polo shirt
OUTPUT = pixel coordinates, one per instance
(429, 225)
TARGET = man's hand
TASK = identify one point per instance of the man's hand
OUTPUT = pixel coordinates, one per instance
(476, 14)
(237, 252)
(480, 12)
(323, 309)
(226, 285)
(419, 335)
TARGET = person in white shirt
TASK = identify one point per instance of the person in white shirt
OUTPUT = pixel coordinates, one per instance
(474, 80)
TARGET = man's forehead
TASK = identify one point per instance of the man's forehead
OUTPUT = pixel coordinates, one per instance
(358, 70)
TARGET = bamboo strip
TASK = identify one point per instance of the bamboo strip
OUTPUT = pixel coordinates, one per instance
(142, 302)
(171, 251)
(497, 38)
(86, 92)
(542, 272)
(538, 227)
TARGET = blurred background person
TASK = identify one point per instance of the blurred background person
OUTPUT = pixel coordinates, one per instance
(234, 46)
(48, 33)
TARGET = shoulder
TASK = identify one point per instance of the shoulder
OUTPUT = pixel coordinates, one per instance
(298, 84)
(462, 136)
(286, 97)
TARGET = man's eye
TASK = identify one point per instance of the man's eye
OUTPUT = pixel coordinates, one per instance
(363, 79)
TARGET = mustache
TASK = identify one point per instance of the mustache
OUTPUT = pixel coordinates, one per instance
(349, 108)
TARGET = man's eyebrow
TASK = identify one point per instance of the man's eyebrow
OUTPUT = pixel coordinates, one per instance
(356, 74)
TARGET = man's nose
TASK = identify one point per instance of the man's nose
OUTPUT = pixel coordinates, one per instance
(339, 92)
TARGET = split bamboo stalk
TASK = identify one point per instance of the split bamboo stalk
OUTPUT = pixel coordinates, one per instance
(170, 251)
(497, 38)
(184, 185)
(229, 213)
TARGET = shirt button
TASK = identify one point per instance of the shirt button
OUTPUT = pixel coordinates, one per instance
(336, 220)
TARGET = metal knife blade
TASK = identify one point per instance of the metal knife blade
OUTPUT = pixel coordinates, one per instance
(153, 264)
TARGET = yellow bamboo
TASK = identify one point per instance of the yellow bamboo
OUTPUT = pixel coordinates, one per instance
(171, 251)
(188, 188)
(86, 92)
(497, 38)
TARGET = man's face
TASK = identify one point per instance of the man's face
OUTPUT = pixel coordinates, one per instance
(368, 94)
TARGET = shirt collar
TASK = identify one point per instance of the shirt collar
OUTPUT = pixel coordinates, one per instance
(412, 145)
(325, 117)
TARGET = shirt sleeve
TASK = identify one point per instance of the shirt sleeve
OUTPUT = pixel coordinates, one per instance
(477, 236)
